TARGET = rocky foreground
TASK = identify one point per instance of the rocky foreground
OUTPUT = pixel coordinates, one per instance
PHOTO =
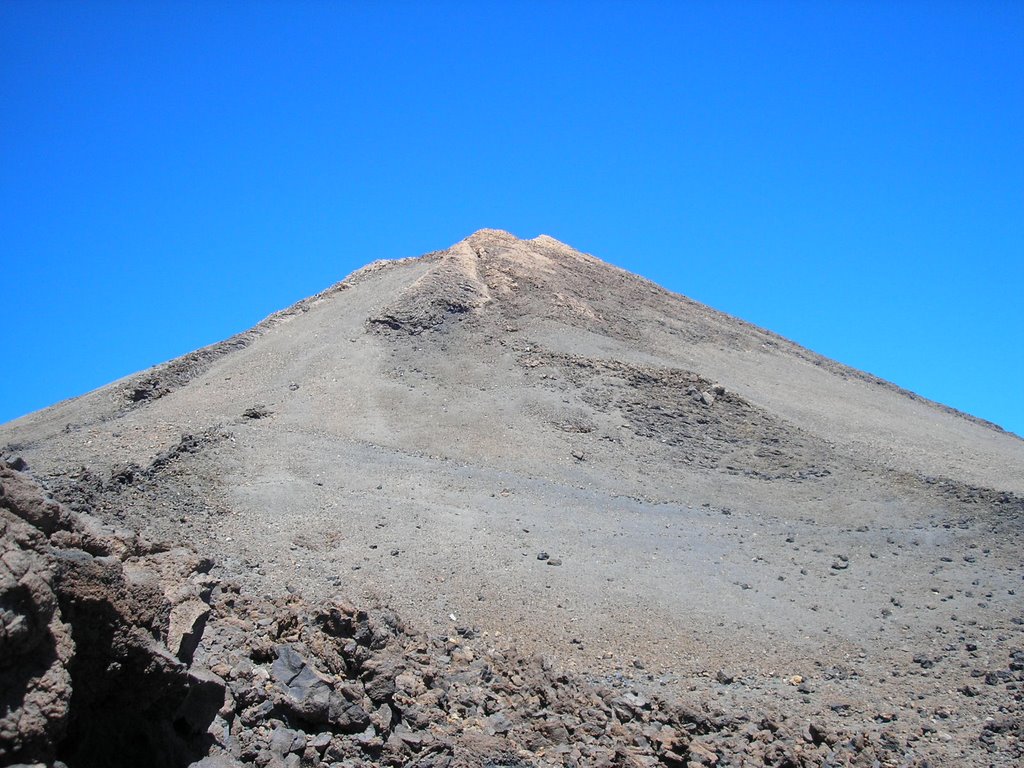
(117, 651)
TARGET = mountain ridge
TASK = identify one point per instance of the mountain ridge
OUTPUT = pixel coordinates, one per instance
(171, 370)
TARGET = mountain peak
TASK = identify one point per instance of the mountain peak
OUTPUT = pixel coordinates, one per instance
(486, 236)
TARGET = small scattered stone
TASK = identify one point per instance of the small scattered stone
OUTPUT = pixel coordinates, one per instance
(256, 412)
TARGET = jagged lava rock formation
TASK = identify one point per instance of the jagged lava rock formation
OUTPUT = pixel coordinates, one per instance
(519, 440)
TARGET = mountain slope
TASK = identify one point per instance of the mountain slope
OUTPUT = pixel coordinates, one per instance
(521, 436)
(502, 293)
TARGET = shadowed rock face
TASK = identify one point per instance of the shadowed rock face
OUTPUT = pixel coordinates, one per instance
(86, 674)
(558, 454)
(35, 645)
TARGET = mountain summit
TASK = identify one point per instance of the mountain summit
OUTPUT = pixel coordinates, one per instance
(517, 437)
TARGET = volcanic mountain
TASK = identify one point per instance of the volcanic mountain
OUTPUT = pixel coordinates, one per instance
(517, 438)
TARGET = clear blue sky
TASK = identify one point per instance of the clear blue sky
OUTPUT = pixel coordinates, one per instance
(847, 174)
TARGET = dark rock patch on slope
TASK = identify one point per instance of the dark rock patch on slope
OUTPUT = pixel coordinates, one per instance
(702, 424)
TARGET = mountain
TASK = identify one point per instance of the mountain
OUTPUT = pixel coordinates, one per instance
(517, 438)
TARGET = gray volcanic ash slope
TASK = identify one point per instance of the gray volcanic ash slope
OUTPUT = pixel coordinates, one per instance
(570, 460)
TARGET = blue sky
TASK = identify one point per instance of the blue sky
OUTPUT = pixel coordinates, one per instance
(848, 174)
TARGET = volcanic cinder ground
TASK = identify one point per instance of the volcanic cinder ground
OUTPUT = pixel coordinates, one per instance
(516, 436)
